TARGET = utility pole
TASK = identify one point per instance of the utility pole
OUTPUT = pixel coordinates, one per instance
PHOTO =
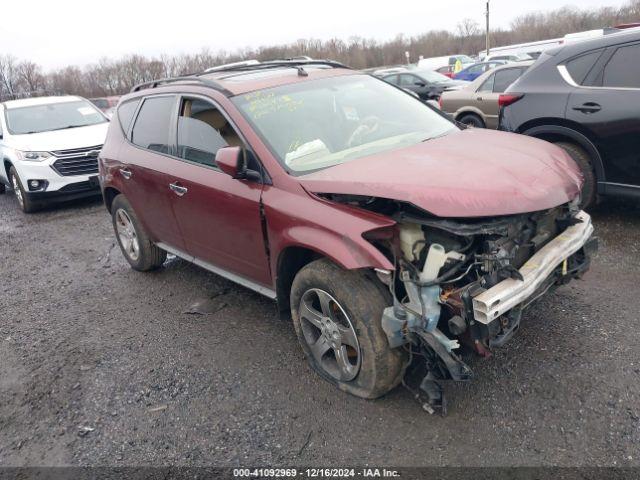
(487, 37)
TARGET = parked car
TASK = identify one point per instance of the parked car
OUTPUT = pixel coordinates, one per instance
(105, 104)
(49, 149)
(355, 206)
(445, 65)
(427, 84)
(584, 97)
(472, 72)
(478, 103)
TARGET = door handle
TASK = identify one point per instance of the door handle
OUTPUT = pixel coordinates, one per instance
(178, 189)
(126, 173)
(589, 107)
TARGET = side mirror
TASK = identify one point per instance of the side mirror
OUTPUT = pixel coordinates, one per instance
(420, 84)
(229, 160)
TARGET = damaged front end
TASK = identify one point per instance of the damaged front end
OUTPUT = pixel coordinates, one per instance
(463, 283)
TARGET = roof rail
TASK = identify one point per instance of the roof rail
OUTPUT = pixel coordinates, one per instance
(289, 62)
(248, 65)
(185, 78)
(234, 64)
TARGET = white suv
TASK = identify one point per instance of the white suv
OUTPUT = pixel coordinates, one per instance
(49, 149)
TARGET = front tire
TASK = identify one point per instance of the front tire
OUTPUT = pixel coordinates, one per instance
(26, 204)
(337, 317)
(582, 158)
(141, 253)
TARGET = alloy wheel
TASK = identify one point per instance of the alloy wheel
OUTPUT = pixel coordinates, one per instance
(127, 235)
(329, 334)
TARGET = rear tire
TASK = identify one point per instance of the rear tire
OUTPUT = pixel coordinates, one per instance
(583, 159)
(141, 253)
(26, 204)
(472, 120)
(355, 301)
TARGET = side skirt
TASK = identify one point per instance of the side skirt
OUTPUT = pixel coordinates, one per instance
(267, 292)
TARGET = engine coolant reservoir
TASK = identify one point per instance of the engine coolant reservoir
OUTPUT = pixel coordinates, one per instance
(410, 233)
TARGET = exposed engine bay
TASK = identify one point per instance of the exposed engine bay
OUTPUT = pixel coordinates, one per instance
(462, 284)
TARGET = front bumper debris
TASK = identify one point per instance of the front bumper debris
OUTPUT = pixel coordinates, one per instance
(498, 300)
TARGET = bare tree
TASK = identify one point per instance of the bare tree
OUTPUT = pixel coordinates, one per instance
(117, 76)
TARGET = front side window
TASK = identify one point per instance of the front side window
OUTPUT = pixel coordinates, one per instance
(623, 69)
(52, 116)
(202, 131)
(153, 124)
(320, 123)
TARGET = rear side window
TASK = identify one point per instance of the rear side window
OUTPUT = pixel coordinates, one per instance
(408, 80)
(125, 114)
(151, 130)
(623, 69)
(504, 78)
(487, 85)
(202, 131)
(392, 79)
(580, 66)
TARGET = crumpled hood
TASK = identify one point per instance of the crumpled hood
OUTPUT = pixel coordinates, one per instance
(470, 173)
(78, 137)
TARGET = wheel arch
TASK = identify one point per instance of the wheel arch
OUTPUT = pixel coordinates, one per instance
(470, 111)
(290, 261)
(108, 195)
(295, 255)
(6, 164)
(568, 132)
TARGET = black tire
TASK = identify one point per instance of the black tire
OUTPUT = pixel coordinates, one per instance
(583, 159)
(472, 120)
(363, 300)
(3, 189)
(149, 256)
(25, 203)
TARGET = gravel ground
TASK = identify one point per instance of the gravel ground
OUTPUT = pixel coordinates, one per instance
(101, 365)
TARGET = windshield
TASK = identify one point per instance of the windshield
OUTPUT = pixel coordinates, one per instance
(318, 124)
(53, 116)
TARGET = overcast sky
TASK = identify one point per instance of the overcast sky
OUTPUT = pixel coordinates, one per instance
(57, 33)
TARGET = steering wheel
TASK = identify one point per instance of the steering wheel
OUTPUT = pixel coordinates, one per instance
(367, 126)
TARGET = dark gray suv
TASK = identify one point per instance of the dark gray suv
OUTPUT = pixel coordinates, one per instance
(585, 97)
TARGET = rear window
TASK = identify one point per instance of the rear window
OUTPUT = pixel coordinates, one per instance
(623, 70)
(504, 78)
(151, 130)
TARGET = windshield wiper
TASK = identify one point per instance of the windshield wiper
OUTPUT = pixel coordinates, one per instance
(69, 126)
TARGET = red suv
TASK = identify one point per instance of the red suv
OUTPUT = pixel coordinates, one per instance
(385, 230)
